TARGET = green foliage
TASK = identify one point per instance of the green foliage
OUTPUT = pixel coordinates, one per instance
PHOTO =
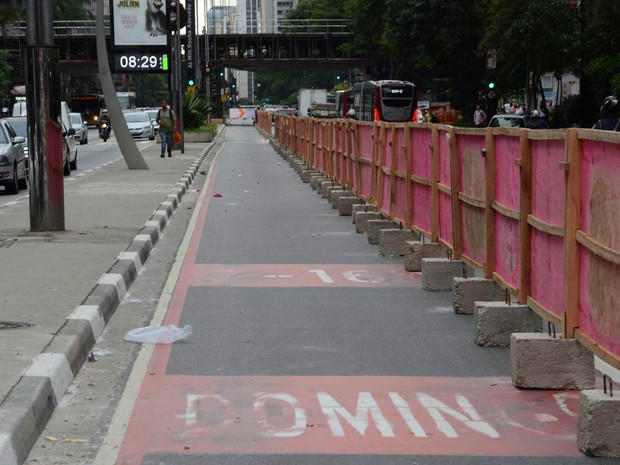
(71, 10)
(5, 73)
(208, 128)
(196, 109)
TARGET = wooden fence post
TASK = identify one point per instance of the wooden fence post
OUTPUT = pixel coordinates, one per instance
(525, 208)
(489, 266)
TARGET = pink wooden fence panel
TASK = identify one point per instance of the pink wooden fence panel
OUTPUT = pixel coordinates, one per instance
(386, 146)
(365, 153)
(445, 198)
(401, 206)
(473, 184)
(507, 181)
(548, 206)
(421, 162)
(599, 311)
(320, 141)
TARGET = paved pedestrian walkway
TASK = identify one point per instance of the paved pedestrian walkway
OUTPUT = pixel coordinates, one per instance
(58, 289)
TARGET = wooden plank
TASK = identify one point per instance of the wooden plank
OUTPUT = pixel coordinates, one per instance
(597, 248)
(601, 352)
(545, 227)
(571, 246)
(394, 166)
(489, 200)
(375, 156)
(380, 165)
(434, 148)
(525, 208)
(542, 311)
(409, 184)
(455, 187)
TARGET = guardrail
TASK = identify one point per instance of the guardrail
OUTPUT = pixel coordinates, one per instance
(284, 26)
(536, 211)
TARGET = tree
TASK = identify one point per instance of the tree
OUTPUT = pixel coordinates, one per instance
(71, 10)
(602, 45)
(531, 37)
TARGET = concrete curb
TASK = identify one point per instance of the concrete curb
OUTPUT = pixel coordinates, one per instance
(31, 402)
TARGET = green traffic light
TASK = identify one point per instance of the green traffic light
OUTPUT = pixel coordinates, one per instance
(491, 85)
(191, 82)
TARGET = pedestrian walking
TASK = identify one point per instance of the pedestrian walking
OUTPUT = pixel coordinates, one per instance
(165, 119)
(479, 117)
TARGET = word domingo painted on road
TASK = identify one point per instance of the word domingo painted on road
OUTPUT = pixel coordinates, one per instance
(279, 275)
(370, 415)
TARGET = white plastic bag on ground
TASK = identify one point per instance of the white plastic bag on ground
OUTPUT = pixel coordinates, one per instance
(158, 334)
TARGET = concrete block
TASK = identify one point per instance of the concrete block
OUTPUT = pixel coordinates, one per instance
(326, 188)
(598, 424)
(315, 181)
(539, 361)
(362, 218)
(373, 228)
(307, 174)
(467, 291)
(345, 205)
(393, 242)
(363, 207)
(438, 273)
(419, 250)
(335, 195)
(495, 322)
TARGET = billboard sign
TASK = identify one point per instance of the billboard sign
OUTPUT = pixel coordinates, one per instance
(138, 23)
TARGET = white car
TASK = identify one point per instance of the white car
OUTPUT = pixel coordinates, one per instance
(152, 112)
(140, 125)
(80, 127)
(12, 160)
(69, 149)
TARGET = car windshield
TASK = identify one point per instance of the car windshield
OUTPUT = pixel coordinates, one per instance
(137, 118)
(75, 118)
(152, 114)
(20, 126)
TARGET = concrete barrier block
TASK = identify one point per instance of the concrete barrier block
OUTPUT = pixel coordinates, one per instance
(540, 361)
(598, 424)
(362, 218)
(467, 291)
(393, 242)
(326, 189)
(438, 273)
(495, 322)
(345, 205)
(315, 181)
(373, 227)
(321, 186)
(335, 195)
(307, 174)
(363, 207)
(419, 250)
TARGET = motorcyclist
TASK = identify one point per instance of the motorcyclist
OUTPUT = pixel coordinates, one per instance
(610, 115)
(105, 119)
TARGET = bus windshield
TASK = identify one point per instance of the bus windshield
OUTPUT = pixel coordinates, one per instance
(89, 105)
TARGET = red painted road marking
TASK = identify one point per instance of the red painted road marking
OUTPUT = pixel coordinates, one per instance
(277, 275)
(352, 415)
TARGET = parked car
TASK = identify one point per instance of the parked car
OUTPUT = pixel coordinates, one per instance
(12, 159)
(80, 126)
(152, 112)
(20, 126)
(507, 121)
(140, 125)
(70, 149)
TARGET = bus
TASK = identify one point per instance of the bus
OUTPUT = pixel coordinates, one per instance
(89, 105)
(389, 100)
(127, 100)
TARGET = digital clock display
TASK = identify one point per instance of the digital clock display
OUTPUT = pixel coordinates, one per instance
(155, 62)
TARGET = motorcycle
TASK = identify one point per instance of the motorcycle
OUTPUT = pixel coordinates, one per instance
(104, 131)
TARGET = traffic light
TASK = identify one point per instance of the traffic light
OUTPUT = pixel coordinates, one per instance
(190, 82)
(172, 15)
(491, 85)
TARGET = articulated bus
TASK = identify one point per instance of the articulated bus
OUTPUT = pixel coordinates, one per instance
(90, 105)
(392, 101)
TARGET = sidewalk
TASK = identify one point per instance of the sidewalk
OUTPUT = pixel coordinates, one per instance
(59, 289)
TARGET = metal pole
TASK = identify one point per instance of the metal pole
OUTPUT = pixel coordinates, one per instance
(47, 198)
(126, 143)
(179, 83)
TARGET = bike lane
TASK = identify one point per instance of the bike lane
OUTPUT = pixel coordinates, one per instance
(309, 347)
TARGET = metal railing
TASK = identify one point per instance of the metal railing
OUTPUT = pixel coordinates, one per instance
(285, 26)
